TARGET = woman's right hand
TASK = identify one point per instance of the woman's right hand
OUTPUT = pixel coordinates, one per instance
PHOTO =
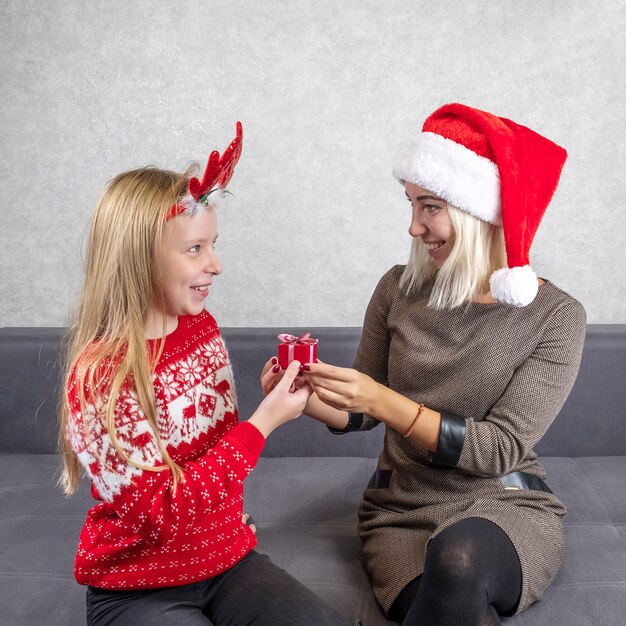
(271, 374)
(281, 405)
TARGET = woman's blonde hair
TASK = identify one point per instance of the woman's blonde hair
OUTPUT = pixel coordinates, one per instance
(105, 344)
(477, 251)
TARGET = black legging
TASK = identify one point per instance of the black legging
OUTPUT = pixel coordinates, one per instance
(471, 576)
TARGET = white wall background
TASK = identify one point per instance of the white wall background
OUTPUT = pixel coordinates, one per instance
(328, 92)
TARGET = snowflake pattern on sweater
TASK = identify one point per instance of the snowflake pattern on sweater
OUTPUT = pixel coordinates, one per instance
(144, 533)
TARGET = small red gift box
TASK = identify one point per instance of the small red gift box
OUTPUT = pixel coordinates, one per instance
(292, 348)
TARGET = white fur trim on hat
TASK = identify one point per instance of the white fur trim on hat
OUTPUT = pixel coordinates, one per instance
(453, 172)
(515, 286)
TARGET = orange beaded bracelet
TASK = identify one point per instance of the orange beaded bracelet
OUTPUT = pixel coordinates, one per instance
(412, 426)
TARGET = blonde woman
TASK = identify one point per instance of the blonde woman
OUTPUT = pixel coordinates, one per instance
(466, 356)
(150, 416)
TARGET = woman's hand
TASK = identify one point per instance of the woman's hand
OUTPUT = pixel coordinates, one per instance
(272, 373)
(342, 388)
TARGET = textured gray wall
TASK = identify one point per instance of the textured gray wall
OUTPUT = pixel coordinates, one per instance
(328, 92)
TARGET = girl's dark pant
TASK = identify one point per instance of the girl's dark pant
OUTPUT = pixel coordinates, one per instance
(254, 591)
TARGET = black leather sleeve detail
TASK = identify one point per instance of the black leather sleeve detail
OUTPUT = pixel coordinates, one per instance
(355, 421)
(524, 480)
(450, 442)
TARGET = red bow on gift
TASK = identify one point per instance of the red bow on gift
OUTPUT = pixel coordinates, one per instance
(306, 338)
(302, 348)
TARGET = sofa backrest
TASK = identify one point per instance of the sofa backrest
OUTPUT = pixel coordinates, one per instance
(592, 422)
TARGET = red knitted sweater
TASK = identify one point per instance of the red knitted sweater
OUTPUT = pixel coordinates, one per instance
(143, 534)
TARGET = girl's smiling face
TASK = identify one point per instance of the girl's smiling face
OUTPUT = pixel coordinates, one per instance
(430, 221)
(189, 265)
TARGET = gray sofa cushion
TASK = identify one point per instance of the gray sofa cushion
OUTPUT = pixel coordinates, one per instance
(305, 490)
(305, 510)
(29, 371)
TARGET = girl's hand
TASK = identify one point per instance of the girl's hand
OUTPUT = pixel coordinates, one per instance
(281, 405)
(244, 518)
(343, 388)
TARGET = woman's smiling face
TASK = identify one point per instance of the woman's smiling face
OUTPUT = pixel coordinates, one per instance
(431, 222)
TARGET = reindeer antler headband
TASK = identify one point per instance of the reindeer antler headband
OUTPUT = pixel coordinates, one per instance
(218, 172)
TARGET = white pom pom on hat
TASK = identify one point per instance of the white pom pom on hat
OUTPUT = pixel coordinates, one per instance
(516, 286)
(496, 170)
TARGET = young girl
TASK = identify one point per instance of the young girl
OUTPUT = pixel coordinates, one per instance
(150, 414)
(466, 356)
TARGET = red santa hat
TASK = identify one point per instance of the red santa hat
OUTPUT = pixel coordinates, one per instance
(497, 170)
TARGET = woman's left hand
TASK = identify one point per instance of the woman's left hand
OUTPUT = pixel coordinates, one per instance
(343, 388)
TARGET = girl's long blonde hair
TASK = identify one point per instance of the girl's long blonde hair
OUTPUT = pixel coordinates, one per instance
(106, 344)
(477, 251)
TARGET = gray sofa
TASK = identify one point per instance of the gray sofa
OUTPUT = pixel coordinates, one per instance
(304, 492)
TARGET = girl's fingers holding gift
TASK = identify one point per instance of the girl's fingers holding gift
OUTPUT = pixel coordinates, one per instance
(299, 382)
(289, 375)
(303, 393)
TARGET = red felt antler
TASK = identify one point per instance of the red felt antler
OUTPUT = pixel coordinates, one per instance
(218, 169)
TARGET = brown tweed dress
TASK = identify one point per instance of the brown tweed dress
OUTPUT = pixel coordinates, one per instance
(506, 371)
